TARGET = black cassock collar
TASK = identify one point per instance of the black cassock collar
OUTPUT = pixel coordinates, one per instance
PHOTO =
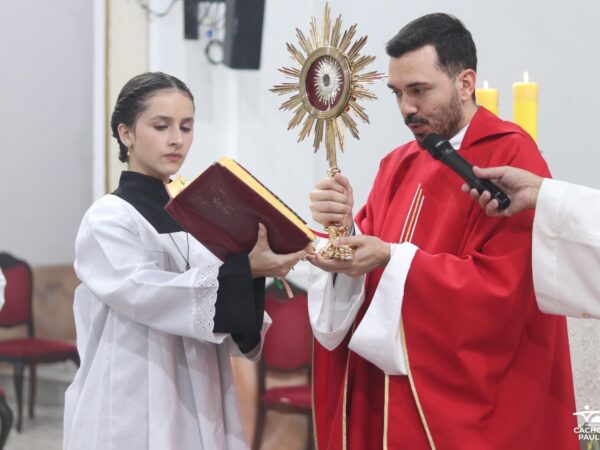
(149, 197)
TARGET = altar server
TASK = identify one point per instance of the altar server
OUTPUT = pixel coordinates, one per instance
(157, 314)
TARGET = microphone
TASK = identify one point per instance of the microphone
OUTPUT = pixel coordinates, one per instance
(441, 149)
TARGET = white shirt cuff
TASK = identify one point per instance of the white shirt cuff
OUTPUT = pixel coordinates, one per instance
(332, 309)
(378, 337)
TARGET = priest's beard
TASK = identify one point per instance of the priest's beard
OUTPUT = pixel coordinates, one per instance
(449, 118)
(445, 121)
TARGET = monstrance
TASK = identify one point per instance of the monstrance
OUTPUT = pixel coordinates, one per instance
(325, 94)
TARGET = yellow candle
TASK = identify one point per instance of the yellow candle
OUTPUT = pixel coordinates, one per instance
(488, 98)
(525, 105)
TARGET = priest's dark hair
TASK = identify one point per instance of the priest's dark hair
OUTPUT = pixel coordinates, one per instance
(131, 101)
(453, 43)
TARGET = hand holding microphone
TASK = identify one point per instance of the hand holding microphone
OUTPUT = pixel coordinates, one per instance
(442, 150)
(522, 186)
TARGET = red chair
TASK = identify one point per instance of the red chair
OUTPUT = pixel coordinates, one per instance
(287, 348)
(28, 351)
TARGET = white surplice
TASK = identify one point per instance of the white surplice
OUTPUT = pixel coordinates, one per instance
(153, 374)
(566, 249)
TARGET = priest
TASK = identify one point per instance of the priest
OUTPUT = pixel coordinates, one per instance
(430, 337)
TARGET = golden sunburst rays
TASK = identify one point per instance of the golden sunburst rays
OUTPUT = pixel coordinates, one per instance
(326, 90)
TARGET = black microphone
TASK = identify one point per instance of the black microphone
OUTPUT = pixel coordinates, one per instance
(442, 149)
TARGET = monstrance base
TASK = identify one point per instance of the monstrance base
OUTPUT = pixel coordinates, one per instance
(342, 252)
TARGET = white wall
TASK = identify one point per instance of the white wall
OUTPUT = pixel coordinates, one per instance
(46, 126)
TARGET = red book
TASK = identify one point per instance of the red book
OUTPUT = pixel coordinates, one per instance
(223, 206)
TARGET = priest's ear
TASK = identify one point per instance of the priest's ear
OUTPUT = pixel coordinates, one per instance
(125, 135)
(465, 84)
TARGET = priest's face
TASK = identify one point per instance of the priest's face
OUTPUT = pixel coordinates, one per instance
(162, 134)
(429, 100)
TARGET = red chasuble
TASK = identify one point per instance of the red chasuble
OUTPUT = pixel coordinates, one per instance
(487, 370)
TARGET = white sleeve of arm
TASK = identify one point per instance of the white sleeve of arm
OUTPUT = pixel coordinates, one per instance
(566, 249)
(113, 263)
(333, 302)
(378, 338)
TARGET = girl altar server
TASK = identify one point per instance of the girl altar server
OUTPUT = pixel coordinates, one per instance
(157, 314)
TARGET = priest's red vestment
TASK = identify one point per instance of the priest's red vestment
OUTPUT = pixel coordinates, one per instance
(486, 369)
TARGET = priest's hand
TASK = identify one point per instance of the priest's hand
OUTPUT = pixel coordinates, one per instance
(265, 263)
(332, 201)
(369, 253)
(520, 185)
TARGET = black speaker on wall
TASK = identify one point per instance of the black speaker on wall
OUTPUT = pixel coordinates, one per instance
(243, 33)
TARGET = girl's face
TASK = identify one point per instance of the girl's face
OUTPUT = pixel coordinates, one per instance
(161, 136)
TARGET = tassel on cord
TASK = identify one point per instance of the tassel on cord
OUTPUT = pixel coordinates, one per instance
(282, 284)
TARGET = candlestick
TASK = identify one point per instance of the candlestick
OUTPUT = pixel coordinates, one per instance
(487, 97)
(525, 105)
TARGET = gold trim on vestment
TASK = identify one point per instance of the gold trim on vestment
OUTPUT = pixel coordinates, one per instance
(386, 411)
(411, 219)
(312, 400)
(344, 438)
(414, 389)
(402, 233)
(418, 213)
(413, 215)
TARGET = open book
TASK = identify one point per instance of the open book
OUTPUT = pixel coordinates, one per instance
(223, 206)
